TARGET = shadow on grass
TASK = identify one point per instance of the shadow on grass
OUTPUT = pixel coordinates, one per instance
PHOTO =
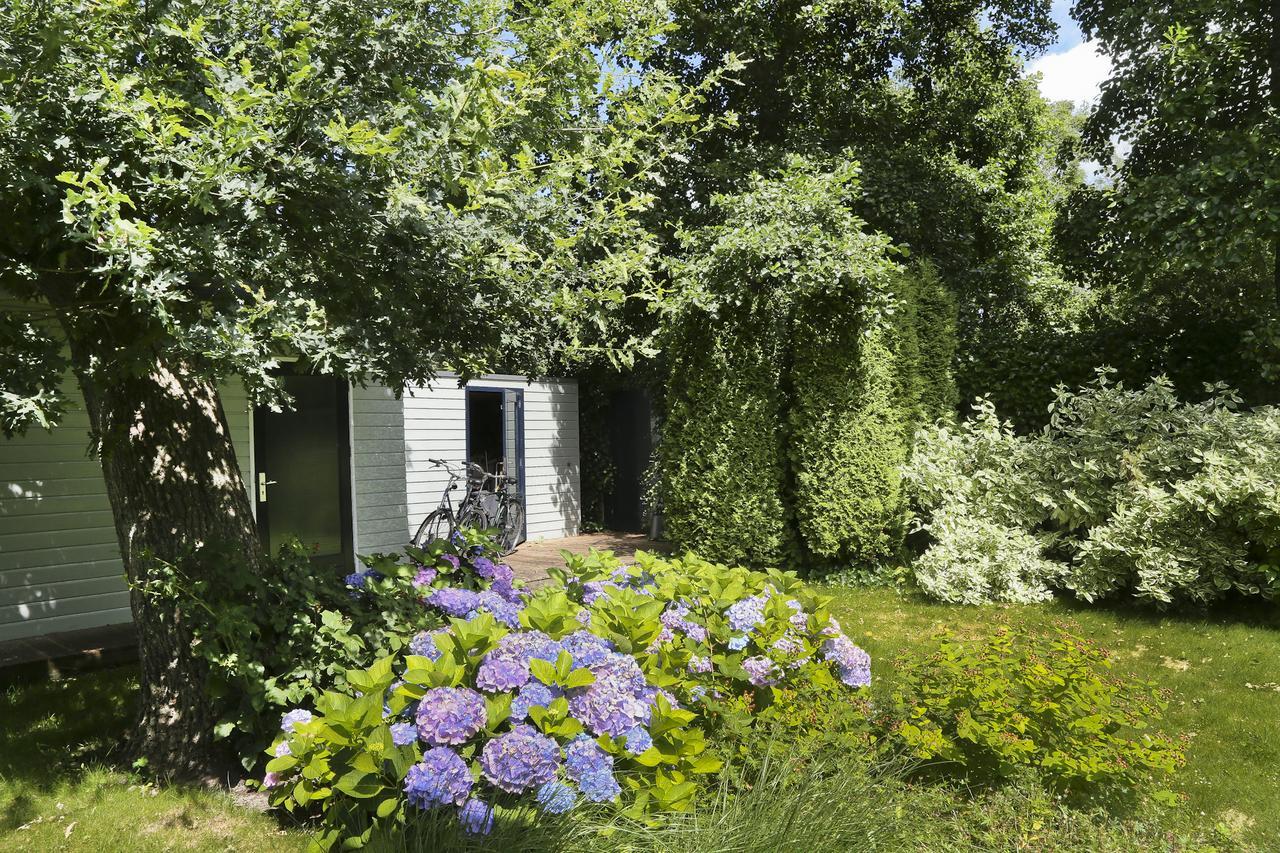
(50, 730)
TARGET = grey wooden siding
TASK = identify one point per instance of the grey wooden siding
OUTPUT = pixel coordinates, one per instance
(435, 427)
(59, 558)
(378, 470)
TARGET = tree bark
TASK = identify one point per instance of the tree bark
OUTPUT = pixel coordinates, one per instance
(178, 499)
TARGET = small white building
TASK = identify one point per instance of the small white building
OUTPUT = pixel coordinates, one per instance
(347, 472)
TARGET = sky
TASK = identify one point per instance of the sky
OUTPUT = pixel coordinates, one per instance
(1073, 69)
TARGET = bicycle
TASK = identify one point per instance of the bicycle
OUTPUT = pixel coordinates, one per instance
(480, 508)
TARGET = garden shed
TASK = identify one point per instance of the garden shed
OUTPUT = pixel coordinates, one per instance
(347, 471)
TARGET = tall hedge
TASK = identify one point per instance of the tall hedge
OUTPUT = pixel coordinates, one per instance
(800, 367)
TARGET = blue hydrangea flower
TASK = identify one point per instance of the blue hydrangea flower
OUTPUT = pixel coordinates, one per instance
(853, 665)
(521, 759)
(355, 579)
(638, 740)
(583, 617)
(504, 611)
(527, 645)
(403, 734)
(591, 591)
(450, 715)
(425, 576)
(292, 718)
(282, 748)
(441, 778)
(600, 786)
(584, 756)
(535, 694)
(451, 561)
(613, 703)
(556, 797)
(833, 628)
(737, 643)
(699, 664)
(760, 671)
(424, 645)
(586, 648)
(675, 617)
(500, 674)
(508, 592)
(746, 614)
(476, 817)
(454, 600)
(789, 645)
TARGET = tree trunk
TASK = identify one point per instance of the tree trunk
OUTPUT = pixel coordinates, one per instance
(178, 500)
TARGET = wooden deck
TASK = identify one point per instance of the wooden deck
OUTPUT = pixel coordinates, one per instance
(532, 559)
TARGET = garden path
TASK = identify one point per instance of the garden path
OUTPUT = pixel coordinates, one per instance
(532, 559)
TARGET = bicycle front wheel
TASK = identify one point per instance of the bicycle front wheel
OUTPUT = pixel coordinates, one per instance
(512, 527)
(437, 525)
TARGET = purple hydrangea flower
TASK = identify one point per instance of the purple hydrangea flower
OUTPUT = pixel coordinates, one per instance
(613, 703)
(650, 696)
(507, 591)
(583, 617)
(271, 779)
(789, 645)
(292, 718)
(699, 664)
(853, 665)
(675, 617)
(521, 759)
(556, 797)
(451, 561)
(403, 734)
(476, 817)
(504, 611)
(527, 645)
(356, 579)
(599, 787)
(500, 674)
(586, 648)
(441, 778)
(592, 590)
(535, 694)
(502, 573)
(584, 756)
(760, 671)
(454, 600)
(799, 619)
(638, 740)
(665, 635)
(746, 614)
(833, 628)
(424, 645)
(282, 749)
(450, 715)
(425, 576)
(738, 643)
(483, 567)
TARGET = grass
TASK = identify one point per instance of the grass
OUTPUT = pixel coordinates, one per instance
(1223, 669)
(64, 784)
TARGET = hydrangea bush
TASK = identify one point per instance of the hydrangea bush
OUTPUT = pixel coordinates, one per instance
(600, 690)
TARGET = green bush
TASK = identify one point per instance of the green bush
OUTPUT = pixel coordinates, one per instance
(992, 708)
(803, 357)
(1125, 492)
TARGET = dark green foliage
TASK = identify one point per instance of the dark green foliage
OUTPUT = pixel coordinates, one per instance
(722, 465)
(801, 363)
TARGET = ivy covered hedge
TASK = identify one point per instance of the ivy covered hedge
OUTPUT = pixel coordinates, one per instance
(803, 357)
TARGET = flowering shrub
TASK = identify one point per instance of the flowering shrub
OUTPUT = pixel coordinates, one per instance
(1126, 492)
(1043, 702)
(601, 692)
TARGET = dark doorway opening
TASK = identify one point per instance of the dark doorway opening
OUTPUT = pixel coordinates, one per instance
(484, 429)
(303, 462)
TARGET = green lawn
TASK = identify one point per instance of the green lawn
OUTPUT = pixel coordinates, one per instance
(62, 786)
(1223, 670)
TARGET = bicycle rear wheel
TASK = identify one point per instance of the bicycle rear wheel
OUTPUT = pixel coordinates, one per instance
(511, 533)
(437, 525)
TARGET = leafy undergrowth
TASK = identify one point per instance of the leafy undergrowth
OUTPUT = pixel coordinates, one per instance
(64, 784)
(1223, 668)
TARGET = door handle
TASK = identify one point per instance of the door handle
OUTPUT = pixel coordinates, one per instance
(263, 482)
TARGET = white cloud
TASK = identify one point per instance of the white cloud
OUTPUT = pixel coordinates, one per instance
(1073, 75)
